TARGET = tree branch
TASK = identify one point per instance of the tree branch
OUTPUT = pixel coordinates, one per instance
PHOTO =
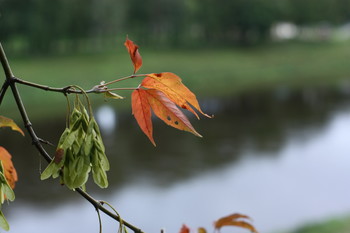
(65, 90)
(11, 81)
(3, 90)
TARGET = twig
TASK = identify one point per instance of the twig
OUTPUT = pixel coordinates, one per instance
(64, 90)
(99, 219)
(121, 79)
(3, 90)
(46, 142)
(11, 81)
(121, 89)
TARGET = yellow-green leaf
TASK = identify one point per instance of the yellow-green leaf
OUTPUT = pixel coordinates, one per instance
(112, 95)
(7, 122)
(3, 222)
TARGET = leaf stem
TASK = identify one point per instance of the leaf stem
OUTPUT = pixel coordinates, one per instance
(87, 99)
(122, 79)
(121, 89)
(99, 219)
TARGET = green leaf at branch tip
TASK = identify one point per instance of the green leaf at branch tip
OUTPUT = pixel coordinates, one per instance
(3, 222)
(112, 95)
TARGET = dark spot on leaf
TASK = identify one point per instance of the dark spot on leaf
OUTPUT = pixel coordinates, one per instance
(168, 118)
(176, 122)
(58, 155)
(158, 75)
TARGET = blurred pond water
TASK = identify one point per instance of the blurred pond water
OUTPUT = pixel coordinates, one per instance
(281, 158)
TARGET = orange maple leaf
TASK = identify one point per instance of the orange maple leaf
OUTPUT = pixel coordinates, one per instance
(167, 111)
(135, 56)
(145, 100)
(233, 220)
(141, 110)
(10, 171)
(171, 85)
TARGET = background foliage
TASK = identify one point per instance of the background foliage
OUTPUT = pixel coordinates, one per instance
(39, 26)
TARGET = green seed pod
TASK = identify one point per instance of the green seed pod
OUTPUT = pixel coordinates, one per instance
(52, 169)
(85, 119)
(99, 176)
(82, 170)
(76, 114)
(80, 150)
(63, 137)
(103, 161)
(87, 145)
(69, 140)
(76, 124)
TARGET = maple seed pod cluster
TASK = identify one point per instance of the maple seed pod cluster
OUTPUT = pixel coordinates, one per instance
(79, 151)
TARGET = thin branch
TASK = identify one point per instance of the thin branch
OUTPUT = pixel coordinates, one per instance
(71, 89)
(99, 219)
(67, 89)
(10, 78)
(121, 89)
(3, 90)
(5, 63)
(64, 90)
(121, 79)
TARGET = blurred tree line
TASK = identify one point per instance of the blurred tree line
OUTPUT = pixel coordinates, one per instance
(44, 26)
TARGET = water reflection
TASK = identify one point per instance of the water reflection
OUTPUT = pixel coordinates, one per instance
(107, 118)
(281, 160)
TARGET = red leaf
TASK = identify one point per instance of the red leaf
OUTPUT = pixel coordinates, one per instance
(135, 56)
(167, 111)
(10, 171)
(184, 229)
(171, 85)
(141, 110)
(232, 220)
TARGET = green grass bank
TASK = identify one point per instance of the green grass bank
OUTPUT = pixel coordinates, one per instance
(336, 225)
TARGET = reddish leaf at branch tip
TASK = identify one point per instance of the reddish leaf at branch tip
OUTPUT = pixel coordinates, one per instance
(171, 85)
(141, 110)
(10, 171)
(184, 229)
(135, 56)
(234, 220)
(7, 122)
